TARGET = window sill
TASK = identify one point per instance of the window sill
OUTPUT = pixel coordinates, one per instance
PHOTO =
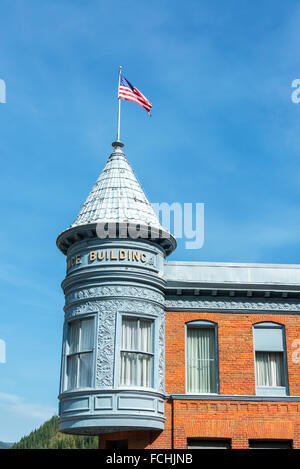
(233, 397)
(66, 391)
(135, 388)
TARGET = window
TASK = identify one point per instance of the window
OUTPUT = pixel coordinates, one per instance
(270, 359)
(196, 443)
(137, 352)
(80, 354)
(201, 357)
(270, 444)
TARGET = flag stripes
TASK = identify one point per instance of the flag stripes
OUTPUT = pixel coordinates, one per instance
(130, 93)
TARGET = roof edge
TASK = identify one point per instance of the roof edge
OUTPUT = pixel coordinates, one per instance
(79, 233)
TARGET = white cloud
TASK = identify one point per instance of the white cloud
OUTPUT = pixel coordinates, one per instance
(17, 406)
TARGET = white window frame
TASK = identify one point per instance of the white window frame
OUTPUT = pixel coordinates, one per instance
(137, 352)
(67, 354)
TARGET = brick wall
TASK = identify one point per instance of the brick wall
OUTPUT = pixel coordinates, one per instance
(235, 344)
(238, 421)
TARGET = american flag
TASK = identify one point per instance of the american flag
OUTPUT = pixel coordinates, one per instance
(131, 93)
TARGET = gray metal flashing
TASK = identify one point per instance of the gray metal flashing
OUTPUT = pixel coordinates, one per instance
(96, 392)
(94, 424)
(234, 277)
(232, 264)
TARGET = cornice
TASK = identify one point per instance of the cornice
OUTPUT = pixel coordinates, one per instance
(232, 305)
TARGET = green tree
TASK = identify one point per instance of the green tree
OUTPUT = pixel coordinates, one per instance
(48, 436)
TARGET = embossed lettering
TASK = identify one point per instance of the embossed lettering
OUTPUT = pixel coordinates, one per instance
(92, 255)
(101, 255)
(135, 255)
(122, 254)
(78, 261)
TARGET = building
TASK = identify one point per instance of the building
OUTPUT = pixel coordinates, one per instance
(160, 354)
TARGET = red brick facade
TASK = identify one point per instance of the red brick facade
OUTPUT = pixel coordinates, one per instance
(234, 419)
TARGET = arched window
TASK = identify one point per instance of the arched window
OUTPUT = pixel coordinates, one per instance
(270, 359)
(201, 357)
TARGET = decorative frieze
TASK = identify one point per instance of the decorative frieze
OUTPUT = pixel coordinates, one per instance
(114, 291)
(244, 407)
(161, 358)
(207, 304)
(105, 349)
(113, 306)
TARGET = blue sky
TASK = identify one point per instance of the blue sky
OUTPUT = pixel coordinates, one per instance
(224, 132)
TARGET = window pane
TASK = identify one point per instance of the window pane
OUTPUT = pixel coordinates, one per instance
(87, 335)
(145, 368)
(72, 372)
(201, 360)
(145, 336)
(129, 334)
(269, 339)
(269, 369)
(85, 369)
(128, 368)
(136, 368)
(74, 337)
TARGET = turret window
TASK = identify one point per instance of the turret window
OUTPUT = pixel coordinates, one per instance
(136, 352)
(80, 345)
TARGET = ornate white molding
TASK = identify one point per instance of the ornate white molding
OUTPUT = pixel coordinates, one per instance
(107, 310)
(207, 304)
(113, 306)
(161, 356)
(114, 291)
(105, 350)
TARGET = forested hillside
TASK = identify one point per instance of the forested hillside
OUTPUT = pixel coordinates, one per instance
(4, 445)
(48, 437)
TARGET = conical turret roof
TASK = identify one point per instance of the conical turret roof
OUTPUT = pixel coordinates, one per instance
(117, 197)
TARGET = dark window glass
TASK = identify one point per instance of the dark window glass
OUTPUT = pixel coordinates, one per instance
(270, 444)
(195, 443)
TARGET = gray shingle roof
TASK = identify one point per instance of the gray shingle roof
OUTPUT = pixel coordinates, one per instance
(117, 199)
(117, 196)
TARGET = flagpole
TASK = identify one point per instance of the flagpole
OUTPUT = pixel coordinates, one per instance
(119, 108)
